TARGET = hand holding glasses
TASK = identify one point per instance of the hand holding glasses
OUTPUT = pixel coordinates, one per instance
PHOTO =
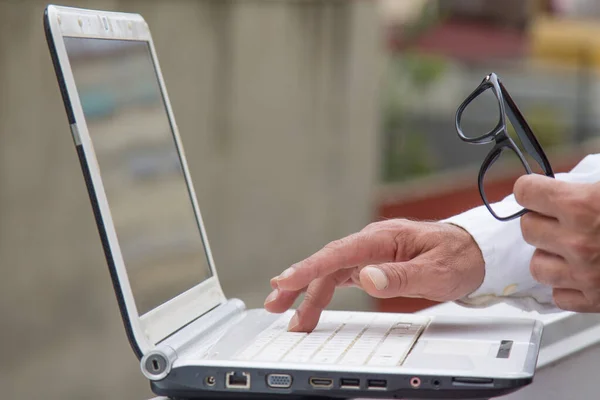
(503, 142)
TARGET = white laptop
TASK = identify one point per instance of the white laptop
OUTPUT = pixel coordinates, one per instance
(190, 339)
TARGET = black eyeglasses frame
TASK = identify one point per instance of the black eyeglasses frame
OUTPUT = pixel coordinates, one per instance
(499, 135)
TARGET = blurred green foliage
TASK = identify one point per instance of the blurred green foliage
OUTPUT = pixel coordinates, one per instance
(408, 156)
(407, 153)
(423, 69)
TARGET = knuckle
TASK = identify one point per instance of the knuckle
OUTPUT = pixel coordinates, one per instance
(595, 280)
(300, 311)
(547, 274)
(398, 277)
(593, 297)
(374, 226)
(560, 301)
(593, 205)
(565, 300)
(336, 244)
(526, 228)
(570, 300)
(309, 298)
(550, 276)
(339, 279)
(585, 249)
(313, 300)
(571, 200)
(583, 208)
(388, 224)
(590, 280)
(578, 207)
(343, 248)
(394, 223)
(535, 268)
(378, 246)
(520, 190)
(438, 234)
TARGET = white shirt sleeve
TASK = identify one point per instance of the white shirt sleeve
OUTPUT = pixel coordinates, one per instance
(507, 255)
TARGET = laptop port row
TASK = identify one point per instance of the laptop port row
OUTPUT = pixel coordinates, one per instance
(241, 380)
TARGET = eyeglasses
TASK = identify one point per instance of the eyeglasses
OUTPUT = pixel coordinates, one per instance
(504, 144)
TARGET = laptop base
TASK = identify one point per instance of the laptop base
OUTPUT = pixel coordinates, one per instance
(283, 397)
(188, 395)
(240, 396)
(255, 396)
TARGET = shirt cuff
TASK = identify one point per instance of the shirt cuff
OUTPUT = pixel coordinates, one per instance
(506, 255)
(483, 230)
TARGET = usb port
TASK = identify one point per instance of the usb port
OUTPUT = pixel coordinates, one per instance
(350, 383)
(376, 384)
(321, 383)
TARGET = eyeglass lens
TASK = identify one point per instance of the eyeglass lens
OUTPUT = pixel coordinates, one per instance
(481, 115)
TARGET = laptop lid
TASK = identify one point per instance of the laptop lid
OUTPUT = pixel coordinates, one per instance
(135, 171)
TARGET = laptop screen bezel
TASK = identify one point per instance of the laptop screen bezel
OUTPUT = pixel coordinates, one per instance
(162, 321)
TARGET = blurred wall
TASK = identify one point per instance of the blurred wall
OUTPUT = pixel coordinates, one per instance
(276, 104)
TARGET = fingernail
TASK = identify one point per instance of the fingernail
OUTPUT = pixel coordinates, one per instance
(286, 274)
(294, 322)
(272, 296)
(378, 277)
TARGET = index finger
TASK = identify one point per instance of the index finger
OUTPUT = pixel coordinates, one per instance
(355, 250)
(540, 193)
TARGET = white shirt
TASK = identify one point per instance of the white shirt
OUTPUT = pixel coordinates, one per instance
(507, 255)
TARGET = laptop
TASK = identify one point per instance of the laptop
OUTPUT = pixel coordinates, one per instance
(191, 340)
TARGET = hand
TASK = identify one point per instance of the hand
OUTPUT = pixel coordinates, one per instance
(437, 261)
(564, 226)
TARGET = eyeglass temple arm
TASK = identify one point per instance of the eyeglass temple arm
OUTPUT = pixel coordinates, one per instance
(525, 134)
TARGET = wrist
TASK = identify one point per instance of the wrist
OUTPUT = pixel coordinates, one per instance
(471, 258)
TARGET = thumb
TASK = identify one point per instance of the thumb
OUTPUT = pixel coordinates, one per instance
(406, 279)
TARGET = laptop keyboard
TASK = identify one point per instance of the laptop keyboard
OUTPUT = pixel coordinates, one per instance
(349, 338)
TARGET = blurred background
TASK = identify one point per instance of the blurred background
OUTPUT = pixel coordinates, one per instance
(302, 120)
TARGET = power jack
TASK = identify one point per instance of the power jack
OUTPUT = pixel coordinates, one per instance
(210, 381)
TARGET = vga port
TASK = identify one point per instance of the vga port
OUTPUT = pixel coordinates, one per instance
(279, 380)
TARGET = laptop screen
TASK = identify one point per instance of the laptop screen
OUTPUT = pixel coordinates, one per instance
(141, 171)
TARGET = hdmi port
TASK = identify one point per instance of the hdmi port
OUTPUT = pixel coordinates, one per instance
(321, 383)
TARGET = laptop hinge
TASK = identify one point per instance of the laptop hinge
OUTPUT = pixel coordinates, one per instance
(157, 363)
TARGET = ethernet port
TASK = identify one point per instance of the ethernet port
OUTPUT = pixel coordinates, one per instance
(237, 380)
